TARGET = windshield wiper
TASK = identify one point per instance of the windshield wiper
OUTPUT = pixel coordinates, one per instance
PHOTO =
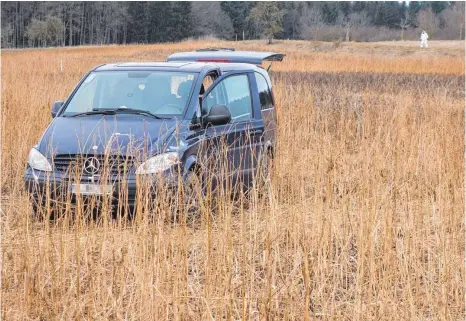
(136, 111)
(95, 112)
(113, 111)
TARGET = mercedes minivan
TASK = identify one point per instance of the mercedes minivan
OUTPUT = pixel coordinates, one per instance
(138, 121)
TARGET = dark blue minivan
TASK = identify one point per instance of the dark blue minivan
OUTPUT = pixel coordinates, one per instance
(131, 122)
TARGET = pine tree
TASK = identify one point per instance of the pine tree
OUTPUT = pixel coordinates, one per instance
(182, 20)
(159, 13)
(268, 17)
(238, 11)
(138, 25)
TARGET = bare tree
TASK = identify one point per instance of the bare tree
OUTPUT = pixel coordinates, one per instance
(453, 20)
(311, 23)
(54, 29)
(37, 31)
(428, 21)
(48, 32)
(404, 24)
(7, 34)
(211, 20)
(354, 19)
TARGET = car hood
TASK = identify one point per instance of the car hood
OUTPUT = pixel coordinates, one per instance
(98, 134)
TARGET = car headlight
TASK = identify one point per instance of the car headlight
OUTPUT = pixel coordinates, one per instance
(158, 163)
(38, 161)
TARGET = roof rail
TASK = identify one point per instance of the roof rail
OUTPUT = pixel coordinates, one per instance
(216, 49)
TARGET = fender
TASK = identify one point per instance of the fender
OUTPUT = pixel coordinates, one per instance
(268, 148)
(190, 163)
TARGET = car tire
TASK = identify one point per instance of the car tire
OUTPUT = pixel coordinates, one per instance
(187, 204)
(38, 213)
(192, 192)
(266, 168)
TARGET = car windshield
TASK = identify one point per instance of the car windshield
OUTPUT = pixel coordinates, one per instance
(161, 93)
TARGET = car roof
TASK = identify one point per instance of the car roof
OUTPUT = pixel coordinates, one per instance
(180, 66)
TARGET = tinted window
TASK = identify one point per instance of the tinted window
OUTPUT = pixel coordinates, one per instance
(162, 93)
(265, 95)
(235, 94)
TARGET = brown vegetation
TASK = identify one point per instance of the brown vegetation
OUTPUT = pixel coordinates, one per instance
(363, 219)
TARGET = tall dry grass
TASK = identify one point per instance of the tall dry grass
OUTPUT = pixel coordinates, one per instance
(363, 219)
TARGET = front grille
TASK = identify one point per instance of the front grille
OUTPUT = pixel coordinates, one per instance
(114, 165)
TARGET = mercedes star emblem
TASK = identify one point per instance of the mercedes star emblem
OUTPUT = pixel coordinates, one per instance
(91, 165)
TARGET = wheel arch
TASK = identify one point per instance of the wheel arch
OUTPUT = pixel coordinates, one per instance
(192, 164)
(269, 149)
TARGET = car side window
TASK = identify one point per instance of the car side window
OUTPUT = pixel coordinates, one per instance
(233, 92)
(207, 82)
(265, 95)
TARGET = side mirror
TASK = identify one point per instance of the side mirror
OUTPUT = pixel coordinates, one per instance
(56, 108)
(218, 115)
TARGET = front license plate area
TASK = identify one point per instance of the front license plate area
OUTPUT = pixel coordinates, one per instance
(91, 189)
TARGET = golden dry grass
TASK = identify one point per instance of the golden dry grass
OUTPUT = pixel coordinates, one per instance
(363, 221)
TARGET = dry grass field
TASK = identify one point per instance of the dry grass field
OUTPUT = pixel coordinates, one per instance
(364, 218)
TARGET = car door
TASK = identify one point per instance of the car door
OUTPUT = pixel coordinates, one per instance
(267, 110)
(233, 147)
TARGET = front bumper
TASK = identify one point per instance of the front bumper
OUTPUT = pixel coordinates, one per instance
(50, 187)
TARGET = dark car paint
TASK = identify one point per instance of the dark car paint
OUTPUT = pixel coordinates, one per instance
(73, 135)
(244, 139)
(80, 135)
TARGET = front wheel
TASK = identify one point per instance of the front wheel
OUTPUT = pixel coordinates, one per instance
(266, 168)
(195, 200)
(193, 192)
(41, 212)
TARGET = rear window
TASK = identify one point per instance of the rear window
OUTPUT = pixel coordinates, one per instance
(265, 95)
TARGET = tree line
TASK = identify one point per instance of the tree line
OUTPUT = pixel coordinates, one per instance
(42, 23)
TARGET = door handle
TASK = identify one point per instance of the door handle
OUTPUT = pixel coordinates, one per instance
(256, 132)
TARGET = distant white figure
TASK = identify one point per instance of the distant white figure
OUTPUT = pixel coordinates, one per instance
(424, 37)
